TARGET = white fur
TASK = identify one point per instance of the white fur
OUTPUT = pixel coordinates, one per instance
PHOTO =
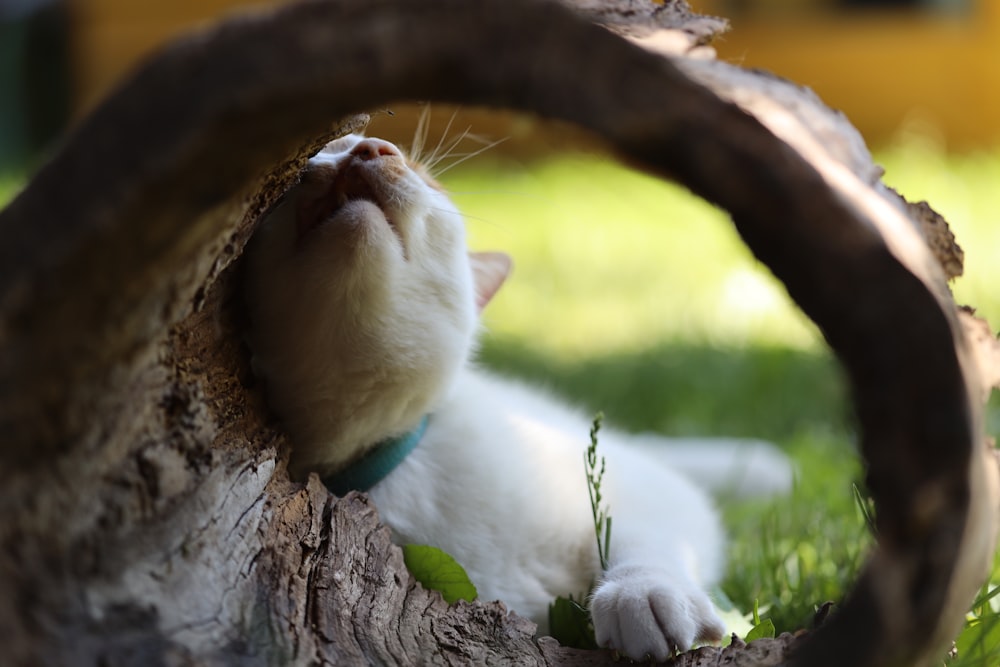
(341, 326)
(360, 327)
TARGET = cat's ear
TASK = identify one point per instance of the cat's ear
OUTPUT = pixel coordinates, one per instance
(489, 270)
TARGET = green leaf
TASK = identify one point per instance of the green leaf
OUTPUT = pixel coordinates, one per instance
(979, 642)
(570, 625)
(437, 571)
(760, 628)
(986, 595)
(866, 505)
(763, 629)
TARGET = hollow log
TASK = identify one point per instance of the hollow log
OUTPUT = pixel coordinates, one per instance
(148, 517)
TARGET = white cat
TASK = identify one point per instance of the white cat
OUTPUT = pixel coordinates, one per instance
(364, 306)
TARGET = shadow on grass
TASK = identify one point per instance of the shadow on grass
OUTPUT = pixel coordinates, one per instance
(687, 389)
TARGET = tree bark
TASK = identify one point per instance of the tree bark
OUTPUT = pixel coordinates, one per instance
(148, 517)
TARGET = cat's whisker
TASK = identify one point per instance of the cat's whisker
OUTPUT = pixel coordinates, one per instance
(439, 155)
(432, 158)
(454, 154)
(476, 218)
(420, 133)
(505, 193)
(449, 151)
(486, 221)
(445, 147)
(471, 155)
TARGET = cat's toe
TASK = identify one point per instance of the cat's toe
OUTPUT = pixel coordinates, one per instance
(652, 614)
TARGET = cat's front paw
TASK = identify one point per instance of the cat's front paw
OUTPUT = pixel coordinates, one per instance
(652, 612)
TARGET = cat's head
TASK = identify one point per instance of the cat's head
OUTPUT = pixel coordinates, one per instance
(363, 299)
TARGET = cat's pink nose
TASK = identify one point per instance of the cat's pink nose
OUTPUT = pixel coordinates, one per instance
(369, 149)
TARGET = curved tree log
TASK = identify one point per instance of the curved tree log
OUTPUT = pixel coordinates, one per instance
(147, 514)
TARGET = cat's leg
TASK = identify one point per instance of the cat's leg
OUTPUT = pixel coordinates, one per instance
(666, 546)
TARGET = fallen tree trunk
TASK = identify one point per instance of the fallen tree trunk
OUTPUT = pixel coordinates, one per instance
(147, 514)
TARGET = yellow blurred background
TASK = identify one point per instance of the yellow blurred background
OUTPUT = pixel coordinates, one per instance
(892, 66)
(888, 65)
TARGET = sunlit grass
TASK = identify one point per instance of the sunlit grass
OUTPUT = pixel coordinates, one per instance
(606, 260)
(794, 555)
(966, 191)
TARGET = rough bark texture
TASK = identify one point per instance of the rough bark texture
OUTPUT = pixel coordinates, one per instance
(147, 514)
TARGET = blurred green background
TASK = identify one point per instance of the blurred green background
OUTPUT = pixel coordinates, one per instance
(629, 295)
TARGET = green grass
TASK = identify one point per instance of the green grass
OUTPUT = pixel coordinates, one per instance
(10, 184)
(632, 297)
(606, 259)
(965, 190)
(685, 388)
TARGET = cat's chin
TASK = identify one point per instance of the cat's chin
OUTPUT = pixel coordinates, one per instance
(377, 181)
(356, 223)
(312, 213)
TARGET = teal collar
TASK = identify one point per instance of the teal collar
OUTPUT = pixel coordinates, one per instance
(376, 465)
